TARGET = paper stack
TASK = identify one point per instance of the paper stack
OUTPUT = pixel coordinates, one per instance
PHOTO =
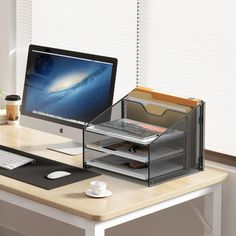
(3, 119)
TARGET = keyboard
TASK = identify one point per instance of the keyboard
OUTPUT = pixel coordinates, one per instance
(10, 160)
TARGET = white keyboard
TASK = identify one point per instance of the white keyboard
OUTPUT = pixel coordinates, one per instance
(10, 161)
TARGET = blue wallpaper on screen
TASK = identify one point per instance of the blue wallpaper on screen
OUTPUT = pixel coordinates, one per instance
(67, 87)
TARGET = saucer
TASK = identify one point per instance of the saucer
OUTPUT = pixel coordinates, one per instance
(91, 194)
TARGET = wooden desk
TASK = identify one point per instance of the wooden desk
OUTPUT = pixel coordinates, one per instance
(129, 201)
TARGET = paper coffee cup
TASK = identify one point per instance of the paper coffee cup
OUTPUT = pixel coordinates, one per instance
(13, 103)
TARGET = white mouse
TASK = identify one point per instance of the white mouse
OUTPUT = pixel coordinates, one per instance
(58, 174)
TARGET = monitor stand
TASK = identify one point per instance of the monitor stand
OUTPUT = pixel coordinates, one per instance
(70, 148)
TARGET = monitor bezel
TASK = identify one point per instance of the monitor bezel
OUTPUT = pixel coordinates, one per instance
(94, 57)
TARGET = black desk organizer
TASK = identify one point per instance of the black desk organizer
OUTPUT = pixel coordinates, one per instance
(175, 152)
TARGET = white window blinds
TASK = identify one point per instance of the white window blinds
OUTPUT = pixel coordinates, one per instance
(185, 47)
(104, 27)
(188, 47)
(23, 39)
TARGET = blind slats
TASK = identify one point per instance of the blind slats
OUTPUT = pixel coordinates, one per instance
(105, 27)
(184, 47)
(189, 48)
(23, 39)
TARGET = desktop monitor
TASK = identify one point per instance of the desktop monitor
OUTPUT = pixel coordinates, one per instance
(64, 90)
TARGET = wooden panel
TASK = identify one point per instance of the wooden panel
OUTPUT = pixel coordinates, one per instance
(127, 196)
(220, 157)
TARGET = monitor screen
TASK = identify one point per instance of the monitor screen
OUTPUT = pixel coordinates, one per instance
(66, 87)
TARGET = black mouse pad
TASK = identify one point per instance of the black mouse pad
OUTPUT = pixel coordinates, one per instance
(36, 174)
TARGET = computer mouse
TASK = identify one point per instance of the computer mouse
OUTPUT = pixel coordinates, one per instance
(58, 174)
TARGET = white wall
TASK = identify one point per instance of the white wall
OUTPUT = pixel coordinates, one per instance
(7, 44)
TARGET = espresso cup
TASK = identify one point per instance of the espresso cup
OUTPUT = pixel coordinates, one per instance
(13, 103)
(98, 187)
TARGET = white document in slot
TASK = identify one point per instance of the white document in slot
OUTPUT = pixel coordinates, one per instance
(121, 165)
(134, 152)
(150, 132)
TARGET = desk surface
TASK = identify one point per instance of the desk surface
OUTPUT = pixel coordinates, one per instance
(127, 195)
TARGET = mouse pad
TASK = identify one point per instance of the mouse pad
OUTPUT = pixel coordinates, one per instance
(35, 174)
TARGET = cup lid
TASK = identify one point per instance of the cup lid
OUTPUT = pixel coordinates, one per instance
(12, 97)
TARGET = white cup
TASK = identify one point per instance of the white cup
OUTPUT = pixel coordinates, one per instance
(98, 187)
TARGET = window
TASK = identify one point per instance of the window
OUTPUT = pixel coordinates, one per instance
(189, 48)
(104, 27)
(185, 47)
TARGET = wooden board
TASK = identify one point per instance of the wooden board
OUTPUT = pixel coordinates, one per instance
(127, 195)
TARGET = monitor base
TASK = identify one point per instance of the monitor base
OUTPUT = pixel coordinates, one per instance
(70, 148)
